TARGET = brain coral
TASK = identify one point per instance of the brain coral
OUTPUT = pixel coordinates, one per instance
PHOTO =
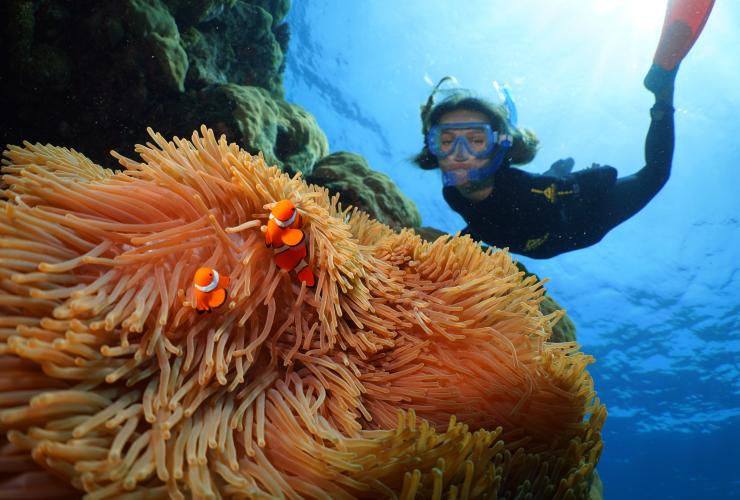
(412, 369)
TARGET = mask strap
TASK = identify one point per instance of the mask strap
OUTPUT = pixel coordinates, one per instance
(426, 108)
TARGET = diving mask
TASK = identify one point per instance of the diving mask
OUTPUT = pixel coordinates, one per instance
(468, 138)
(474, 138)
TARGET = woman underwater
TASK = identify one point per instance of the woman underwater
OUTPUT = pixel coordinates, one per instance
(475, 143)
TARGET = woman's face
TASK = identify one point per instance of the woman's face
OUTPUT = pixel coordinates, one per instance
(461, 159)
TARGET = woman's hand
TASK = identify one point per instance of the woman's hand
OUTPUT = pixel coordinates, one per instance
(561, 168)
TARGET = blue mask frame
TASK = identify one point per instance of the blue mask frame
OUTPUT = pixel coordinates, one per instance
(435, 134)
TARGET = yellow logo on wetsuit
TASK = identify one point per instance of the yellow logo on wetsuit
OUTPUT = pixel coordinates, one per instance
(535, 242)
(551, 192)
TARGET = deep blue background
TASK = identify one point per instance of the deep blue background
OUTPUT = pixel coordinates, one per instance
(657, 301)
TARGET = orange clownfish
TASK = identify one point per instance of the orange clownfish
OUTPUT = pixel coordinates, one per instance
(288, 241)
(210, 289)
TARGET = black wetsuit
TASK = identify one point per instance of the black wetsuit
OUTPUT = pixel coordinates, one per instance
(541, 216)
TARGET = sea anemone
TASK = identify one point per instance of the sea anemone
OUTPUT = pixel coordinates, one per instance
(412, 369)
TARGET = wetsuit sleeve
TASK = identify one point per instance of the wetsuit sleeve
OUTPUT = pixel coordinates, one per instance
(633, 192)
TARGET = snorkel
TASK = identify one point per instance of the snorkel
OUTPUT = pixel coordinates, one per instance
(496, 143)
(505, 94)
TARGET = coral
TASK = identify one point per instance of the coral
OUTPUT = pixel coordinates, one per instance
(412, 368)
(93, 75)
(278, 9)
(238, 46)
(151, 24)
(375, 193)
(193, 12)
(287, 135)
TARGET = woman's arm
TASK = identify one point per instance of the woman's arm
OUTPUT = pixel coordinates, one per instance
(633, 192)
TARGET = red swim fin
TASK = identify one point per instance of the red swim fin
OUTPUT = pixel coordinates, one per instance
(684, 21)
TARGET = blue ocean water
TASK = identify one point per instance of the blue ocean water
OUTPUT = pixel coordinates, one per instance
(657, 302)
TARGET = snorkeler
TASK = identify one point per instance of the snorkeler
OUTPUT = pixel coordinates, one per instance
(474, 143)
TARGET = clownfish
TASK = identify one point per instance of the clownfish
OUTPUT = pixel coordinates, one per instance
(210, 289)
(288, 241)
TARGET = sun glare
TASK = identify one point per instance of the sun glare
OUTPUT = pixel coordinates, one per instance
(641, 14)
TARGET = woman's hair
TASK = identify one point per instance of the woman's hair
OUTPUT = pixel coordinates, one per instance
(525, 143)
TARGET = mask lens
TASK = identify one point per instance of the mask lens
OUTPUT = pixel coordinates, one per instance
(477, 140)
(447, 139)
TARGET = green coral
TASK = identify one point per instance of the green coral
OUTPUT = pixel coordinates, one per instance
(192, 12)
(234, 41)
(152, 23)
(237, 47)
(286, 134)
(278, 9)
(360, 186)
(94, 74)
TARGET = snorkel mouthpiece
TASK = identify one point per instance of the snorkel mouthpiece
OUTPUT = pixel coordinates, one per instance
(460, 177)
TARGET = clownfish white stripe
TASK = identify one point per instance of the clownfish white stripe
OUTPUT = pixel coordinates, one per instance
(286, 223)
(210, 286)
(301, 265)
(284, 248)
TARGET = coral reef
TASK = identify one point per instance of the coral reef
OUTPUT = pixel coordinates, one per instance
(236, 45)
(285, 134)
(349, 175)
(93, 75)
(413, 368)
